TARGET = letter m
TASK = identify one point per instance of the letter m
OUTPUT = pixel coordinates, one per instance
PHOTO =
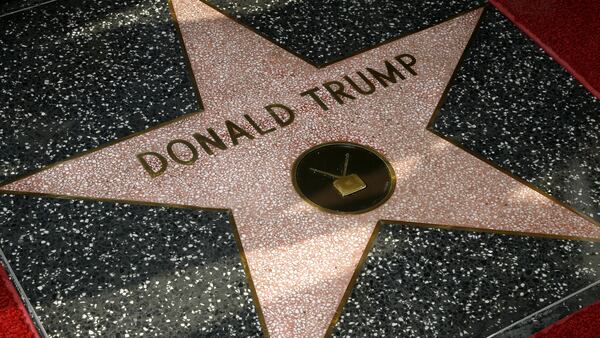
(390, 77)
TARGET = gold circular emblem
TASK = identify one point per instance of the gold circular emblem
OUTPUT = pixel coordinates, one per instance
(343, 177)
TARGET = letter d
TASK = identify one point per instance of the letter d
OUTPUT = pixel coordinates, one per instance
(153, 173)
(286, 120)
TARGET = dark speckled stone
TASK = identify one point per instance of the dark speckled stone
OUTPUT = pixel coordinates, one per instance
(8, 7)
(75, 74)
(433, 282)
(512, 104)
(552, 313)
(323, 31)
(105, 269)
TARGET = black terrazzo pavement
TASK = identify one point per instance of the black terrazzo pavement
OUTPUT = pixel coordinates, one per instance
(431, 282)
(324, 31)
(546, 317)
(515, 106)
(105, 269)
(7, 7)
(75, 74)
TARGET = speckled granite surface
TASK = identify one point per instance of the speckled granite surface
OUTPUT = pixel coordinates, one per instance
(77, 74)
(7, 7)
(432, 282)
(515, 106)
(105, 269)
(552, 313)
(325, 31)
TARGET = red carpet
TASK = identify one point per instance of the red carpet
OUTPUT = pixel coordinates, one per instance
(14, 319)
(584, 323)
(569, 30)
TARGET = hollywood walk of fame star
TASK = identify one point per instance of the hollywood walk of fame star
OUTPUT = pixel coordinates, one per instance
(302, 259)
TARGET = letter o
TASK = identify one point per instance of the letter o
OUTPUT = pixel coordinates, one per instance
(188, 145)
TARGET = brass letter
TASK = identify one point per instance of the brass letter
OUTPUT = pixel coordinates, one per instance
(391, 74)
(148, 168)
(215, 141)
(407, 65)
(371, 89)
(338, 92)
(314, 96)
(236, 132)
(188, 145)
(256, 126)
(279, 120)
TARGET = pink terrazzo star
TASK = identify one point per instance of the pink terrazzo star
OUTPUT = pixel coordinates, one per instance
(302, 259)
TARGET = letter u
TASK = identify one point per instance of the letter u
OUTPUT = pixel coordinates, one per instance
(371, 89)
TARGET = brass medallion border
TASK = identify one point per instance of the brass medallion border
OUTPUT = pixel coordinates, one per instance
(372, 150)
